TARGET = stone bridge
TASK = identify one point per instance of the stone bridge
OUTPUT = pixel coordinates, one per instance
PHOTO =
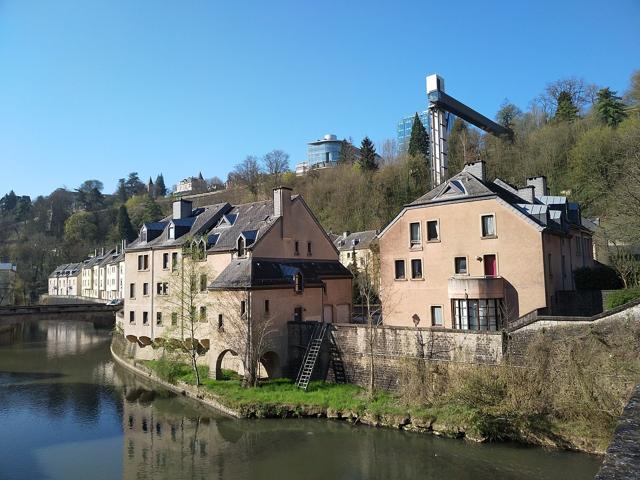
(99, 314)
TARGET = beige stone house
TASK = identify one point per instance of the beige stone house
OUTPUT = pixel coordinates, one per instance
(266, 262)
(65, 280)
(114, 278)
(356, 247)
(471, 253)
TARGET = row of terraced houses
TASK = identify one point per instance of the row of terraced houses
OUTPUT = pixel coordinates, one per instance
(470, 254)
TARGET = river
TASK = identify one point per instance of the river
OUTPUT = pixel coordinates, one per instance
(67, 411)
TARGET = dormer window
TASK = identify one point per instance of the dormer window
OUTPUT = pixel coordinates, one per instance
(172, 231)
(241, 246)
(143, 234)
(298, 283)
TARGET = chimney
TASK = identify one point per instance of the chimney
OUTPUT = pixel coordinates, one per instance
(346, 234)
(477, 169)
(181, 209)
(102, 252)
(527, 193)
(539, 185)
(281, 201)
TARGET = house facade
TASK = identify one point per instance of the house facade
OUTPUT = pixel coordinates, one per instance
(357, 249)
(472, 254)
(7, 283)
(65, 280)
(261, 263)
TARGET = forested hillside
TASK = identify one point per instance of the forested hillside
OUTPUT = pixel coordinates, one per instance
(583, 137)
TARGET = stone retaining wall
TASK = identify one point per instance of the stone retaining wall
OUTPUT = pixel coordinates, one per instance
(393, 348)
(622, 459)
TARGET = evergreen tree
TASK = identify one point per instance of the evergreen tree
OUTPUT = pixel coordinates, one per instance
(347, 153)
(161, 189)
(419, 141)
(8, 202)
(125, 228)
(367, 160)
(609, 108)
(567, 110)
(121, 191)
(134, 186)
(151, 211)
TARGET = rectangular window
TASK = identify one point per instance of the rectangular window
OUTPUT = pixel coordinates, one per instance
(578, 246)
(416, 269)
(297, 248)
(460, 265)
(158, 318)
(490, 265)
(145, 318)
(146, 262)
(243, 307)
(165, 261)
(203, 314)
(174, 318)
(145, 289)
(472, 314)
(433, 231)
(174, 261)
(220, 321)
(266, 307)
(203, 282)
(488, 226)
(399, 265)
(132, 290)
(132, 317)
(414, 234)
(436, 316)
(140, 262)
(162, 288)
(309, 248)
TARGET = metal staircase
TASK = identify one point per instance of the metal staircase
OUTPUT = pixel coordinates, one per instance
(311, 355)
(336, 360)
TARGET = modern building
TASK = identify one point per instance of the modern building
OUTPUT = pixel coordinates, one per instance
(403, 130)
(7, 283)
(472, 253)
(321, 153)
(259, 263)
(358, 247)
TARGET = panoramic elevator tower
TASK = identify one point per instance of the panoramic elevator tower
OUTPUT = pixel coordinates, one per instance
(441, 107)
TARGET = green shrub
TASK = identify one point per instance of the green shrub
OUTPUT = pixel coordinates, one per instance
(169, 370)
(620, 297)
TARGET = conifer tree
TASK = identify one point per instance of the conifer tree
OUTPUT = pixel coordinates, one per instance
(419, 141)
(609, 107)
(367, 160)
(347, 153)
(125, 228)
(567, 110)
(161, 189)
(121, 192)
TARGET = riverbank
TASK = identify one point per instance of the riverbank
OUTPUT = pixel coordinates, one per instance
(282, 399)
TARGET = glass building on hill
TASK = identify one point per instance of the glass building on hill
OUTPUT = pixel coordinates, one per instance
(403, 131)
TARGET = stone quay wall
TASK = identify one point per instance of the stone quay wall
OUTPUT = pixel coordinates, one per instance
(394, 348)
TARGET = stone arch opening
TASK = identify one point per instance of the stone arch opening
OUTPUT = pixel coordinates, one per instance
(226, 362)
(270, 365)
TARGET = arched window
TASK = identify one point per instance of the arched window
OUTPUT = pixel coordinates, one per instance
(241, 244)
(298, 283)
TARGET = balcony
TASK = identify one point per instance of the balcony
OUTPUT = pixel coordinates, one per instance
(476, 287)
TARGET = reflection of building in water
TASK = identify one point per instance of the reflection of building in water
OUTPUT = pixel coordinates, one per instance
(161, 439)
(69, 338)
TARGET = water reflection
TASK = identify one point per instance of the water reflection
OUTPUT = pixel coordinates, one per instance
(68, 412)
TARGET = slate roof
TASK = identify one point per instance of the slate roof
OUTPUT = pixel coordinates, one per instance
(66, 270)
(357, 240)
(198, 223)
(265, 273)
(251, 220)
(554, 213)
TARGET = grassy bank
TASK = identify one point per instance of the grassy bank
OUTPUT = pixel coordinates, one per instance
(567, 391)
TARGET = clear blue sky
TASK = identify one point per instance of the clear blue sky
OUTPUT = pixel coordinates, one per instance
(96, 89)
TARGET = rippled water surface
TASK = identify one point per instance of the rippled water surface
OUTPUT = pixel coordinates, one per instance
(66, 412)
